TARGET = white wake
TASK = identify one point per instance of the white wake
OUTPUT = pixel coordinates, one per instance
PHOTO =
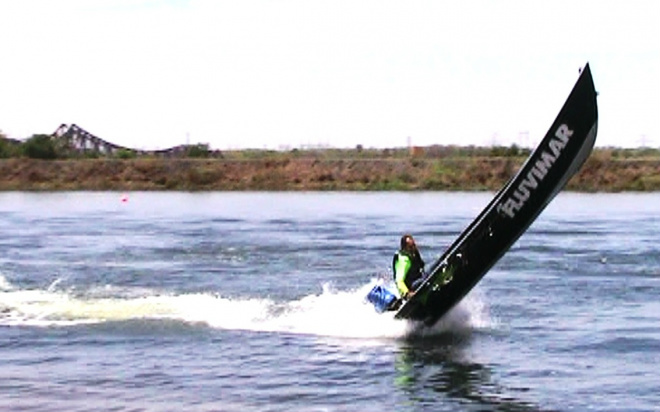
(332, 313)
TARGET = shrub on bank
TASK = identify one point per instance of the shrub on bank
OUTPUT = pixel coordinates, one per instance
(126, 154)
(198, 151)
(7, 149)
(39, 146)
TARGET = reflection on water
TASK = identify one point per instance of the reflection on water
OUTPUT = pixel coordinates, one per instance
(432, 366)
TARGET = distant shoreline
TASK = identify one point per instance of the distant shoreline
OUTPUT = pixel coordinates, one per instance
(601, 173)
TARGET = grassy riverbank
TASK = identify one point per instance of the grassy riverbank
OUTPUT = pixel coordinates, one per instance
(607, 170)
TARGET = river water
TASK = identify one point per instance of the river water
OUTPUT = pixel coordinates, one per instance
(255, 302)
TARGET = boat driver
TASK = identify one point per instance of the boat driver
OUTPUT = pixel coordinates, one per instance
(408, 267)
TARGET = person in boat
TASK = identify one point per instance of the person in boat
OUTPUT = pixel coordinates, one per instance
(408, 267)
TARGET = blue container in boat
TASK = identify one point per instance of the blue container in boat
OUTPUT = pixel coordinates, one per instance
(381, 298)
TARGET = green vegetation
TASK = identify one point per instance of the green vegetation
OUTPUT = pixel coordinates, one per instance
(198, 151)
(5, 148)
(126, 154)
(8, 148)
(39, 146)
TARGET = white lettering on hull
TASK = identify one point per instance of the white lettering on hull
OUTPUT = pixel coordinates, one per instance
(535, 176)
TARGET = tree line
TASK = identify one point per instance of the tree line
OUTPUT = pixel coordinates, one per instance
(43, 146)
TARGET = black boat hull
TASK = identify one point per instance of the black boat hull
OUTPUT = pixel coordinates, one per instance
(514, 208)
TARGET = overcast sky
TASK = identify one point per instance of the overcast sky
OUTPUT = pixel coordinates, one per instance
(277, 74)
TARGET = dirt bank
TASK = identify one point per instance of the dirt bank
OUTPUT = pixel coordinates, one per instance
(462, 173)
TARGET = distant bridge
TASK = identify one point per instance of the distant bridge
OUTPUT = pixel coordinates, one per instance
(74, 139)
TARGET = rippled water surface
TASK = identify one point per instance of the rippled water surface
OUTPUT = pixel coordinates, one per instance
(255, 302)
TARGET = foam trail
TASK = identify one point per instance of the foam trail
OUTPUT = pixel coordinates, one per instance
(331, 313)
(4, 284)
